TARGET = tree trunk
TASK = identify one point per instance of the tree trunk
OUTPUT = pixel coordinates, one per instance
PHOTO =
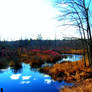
(90, 55)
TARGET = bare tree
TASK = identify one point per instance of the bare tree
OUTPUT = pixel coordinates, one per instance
(39, 37)
(77, 12)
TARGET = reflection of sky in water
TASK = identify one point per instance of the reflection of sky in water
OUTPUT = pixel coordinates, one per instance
(15, 76)
(28, 81)
(71, 57)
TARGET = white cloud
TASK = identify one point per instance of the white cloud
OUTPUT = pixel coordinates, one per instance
(48, 81)
(46, 75)
(15, 76)
(26, 77)
(34, 79)
(25, 82)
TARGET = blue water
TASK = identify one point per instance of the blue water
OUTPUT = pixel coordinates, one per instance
(28, 81)
(71, 57)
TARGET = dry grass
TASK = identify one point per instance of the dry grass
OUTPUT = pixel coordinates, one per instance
(73, 51)
(84, 86)
(69, 71)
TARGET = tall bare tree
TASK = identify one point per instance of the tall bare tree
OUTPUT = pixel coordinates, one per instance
(78, 13)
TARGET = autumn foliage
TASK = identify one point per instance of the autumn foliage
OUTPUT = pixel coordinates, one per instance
(39, 57)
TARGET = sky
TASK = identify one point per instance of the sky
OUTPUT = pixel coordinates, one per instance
(25, 19)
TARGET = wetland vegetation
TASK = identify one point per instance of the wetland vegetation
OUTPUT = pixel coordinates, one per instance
(55, 63)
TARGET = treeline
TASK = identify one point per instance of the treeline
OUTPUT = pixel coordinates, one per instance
(42, 44)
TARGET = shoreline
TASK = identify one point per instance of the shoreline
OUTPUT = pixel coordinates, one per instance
(72, 72)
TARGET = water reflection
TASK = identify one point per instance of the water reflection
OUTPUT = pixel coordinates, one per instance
(4, 63)
(25, 82)
(46, 75)
(24, 79)
(48, 81)
(16, 68)
(15, 76)
(3, 70)
(71, 57)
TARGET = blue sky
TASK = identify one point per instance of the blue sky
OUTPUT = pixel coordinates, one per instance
(28, 18)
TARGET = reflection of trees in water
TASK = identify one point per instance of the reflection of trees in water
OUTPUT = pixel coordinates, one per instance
(4, 63)
(16, 66)
(3, 66)
(34, 68)
(14, 63)
(35, 65)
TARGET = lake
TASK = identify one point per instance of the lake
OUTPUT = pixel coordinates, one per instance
(25, 79)
(28, 80)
